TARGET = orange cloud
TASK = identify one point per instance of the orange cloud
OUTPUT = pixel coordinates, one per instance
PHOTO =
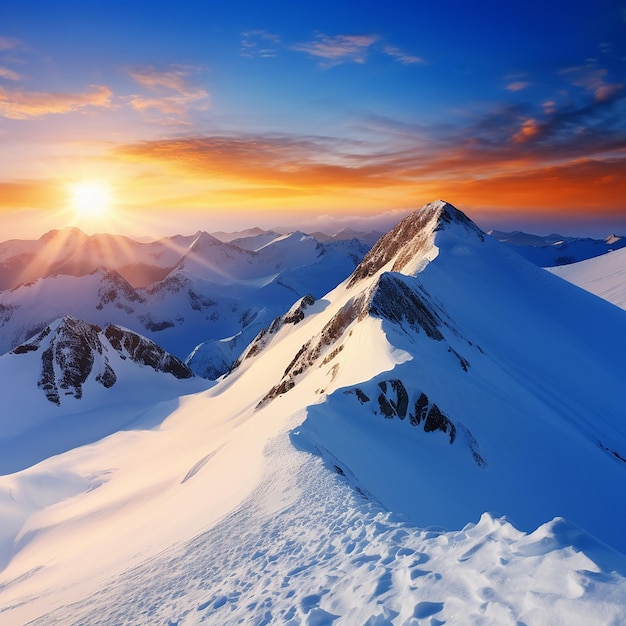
(253, 172)
(576, 188)
(530, 128)
(21, 105)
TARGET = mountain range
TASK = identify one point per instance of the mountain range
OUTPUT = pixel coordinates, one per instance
(556, 250)
(212, 299)
(438, 437)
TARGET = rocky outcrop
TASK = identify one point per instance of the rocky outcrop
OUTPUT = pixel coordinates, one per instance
(72, 351)
(395, 400)
(311, 351)
(68, 358)
(395, 301)
(115, 289)
(295, 315)
(145, 352)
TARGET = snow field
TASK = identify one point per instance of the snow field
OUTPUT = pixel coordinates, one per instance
(305, 548)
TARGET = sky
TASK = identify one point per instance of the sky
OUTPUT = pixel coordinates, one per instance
(168, 117)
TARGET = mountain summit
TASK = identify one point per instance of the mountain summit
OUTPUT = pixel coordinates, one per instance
(445, 355)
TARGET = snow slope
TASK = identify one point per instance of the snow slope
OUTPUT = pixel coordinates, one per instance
(75, 383)
(440, 381)
(604, 275)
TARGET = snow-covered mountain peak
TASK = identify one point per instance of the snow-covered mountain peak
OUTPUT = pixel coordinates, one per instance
(70, 233)
(411, 244)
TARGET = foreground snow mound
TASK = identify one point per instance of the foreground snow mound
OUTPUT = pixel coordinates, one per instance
(305, 548)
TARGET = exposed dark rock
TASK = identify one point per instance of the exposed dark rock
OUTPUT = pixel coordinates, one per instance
(296, 315)
(312, 350)
(421, 408)
(394, 401)
(155, 325)
(47, 379)
(436, 420)
(462, 360)
(332, 355)
(107, 378)
(69, 359)
(385, 406)
(24, 348)
(199, 302)
(402, 398)
(145, 352)
(395, 301)
(114, 287)
(361, 395)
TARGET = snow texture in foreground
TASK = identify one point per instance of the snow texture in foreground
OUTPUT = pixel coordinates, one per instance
(305, 548)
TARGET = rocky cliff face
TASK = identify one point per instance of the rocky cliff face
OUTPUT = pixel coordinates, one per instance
(72, 351)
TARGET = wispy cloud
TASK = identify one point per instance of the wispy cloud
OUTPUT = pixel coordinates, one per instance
(175, 78)
(259, 43)
(593, 79)
(21, 105)
(517, 85)
(8, 43)
(338, 49)
(9, 74)
(162, 83)
(401, 56)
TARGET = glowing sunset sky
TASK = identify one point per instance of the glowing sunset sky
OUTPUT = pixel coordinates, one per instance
(223, 115)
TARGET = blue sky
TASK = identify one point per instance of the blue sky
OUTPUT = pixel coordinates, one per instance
(272, 112)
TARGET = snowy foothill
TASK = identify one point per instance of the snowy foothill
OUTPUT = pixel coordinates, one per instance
(437, 440)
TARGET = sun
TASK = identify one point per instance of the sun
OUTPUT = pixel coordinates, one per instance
(90, 199)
